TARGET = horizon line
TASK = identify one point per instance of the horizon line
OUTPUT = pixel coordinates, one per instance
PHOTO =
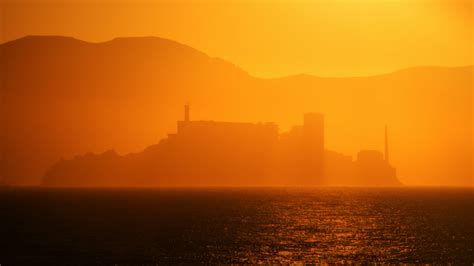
(112, 187)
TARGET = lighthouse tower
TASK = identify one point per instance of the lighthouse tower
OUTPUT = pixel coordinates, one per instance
(386, 145)
(186, 112)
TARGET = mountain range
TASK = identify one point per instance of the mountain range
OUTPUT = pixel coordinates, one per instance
(62, 97)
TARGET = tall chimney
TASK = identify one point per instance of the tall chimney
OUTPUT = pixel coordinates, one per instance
(386, 144)
(186, 112)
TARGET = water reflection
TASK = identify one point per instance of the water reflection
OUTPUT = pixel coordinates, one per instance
(238, 225)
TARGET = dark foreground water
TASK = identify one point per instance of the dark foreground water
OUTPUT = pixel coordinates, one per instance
(169, 226)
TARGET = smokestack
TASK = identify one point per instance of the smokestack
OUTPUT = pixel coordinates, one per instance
(386, 144)
(186, 112)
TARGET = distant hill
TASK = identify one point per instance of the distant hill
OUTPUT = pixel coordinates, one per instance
(62, 97)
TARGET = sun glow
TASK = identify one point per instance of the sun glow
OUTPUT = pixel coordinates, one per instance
(273, 41)
(271, 38)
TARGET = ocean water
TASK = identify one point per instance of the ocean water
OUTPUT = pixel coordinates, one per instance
(236, 225)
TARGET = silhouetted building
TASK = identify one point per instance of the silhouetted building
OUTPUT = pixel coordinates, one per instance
(338, 169)
(372, 169)
(313, 133)
(313, 147)
(224, 153)
(227, 153)
(301, 152)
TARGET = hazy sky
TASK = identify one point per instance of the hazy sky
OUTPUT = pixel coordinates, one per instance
(269, 38)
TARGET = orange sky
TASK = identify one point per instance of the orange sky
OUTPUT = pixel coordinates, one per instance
(283, 37)
(270, 38)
